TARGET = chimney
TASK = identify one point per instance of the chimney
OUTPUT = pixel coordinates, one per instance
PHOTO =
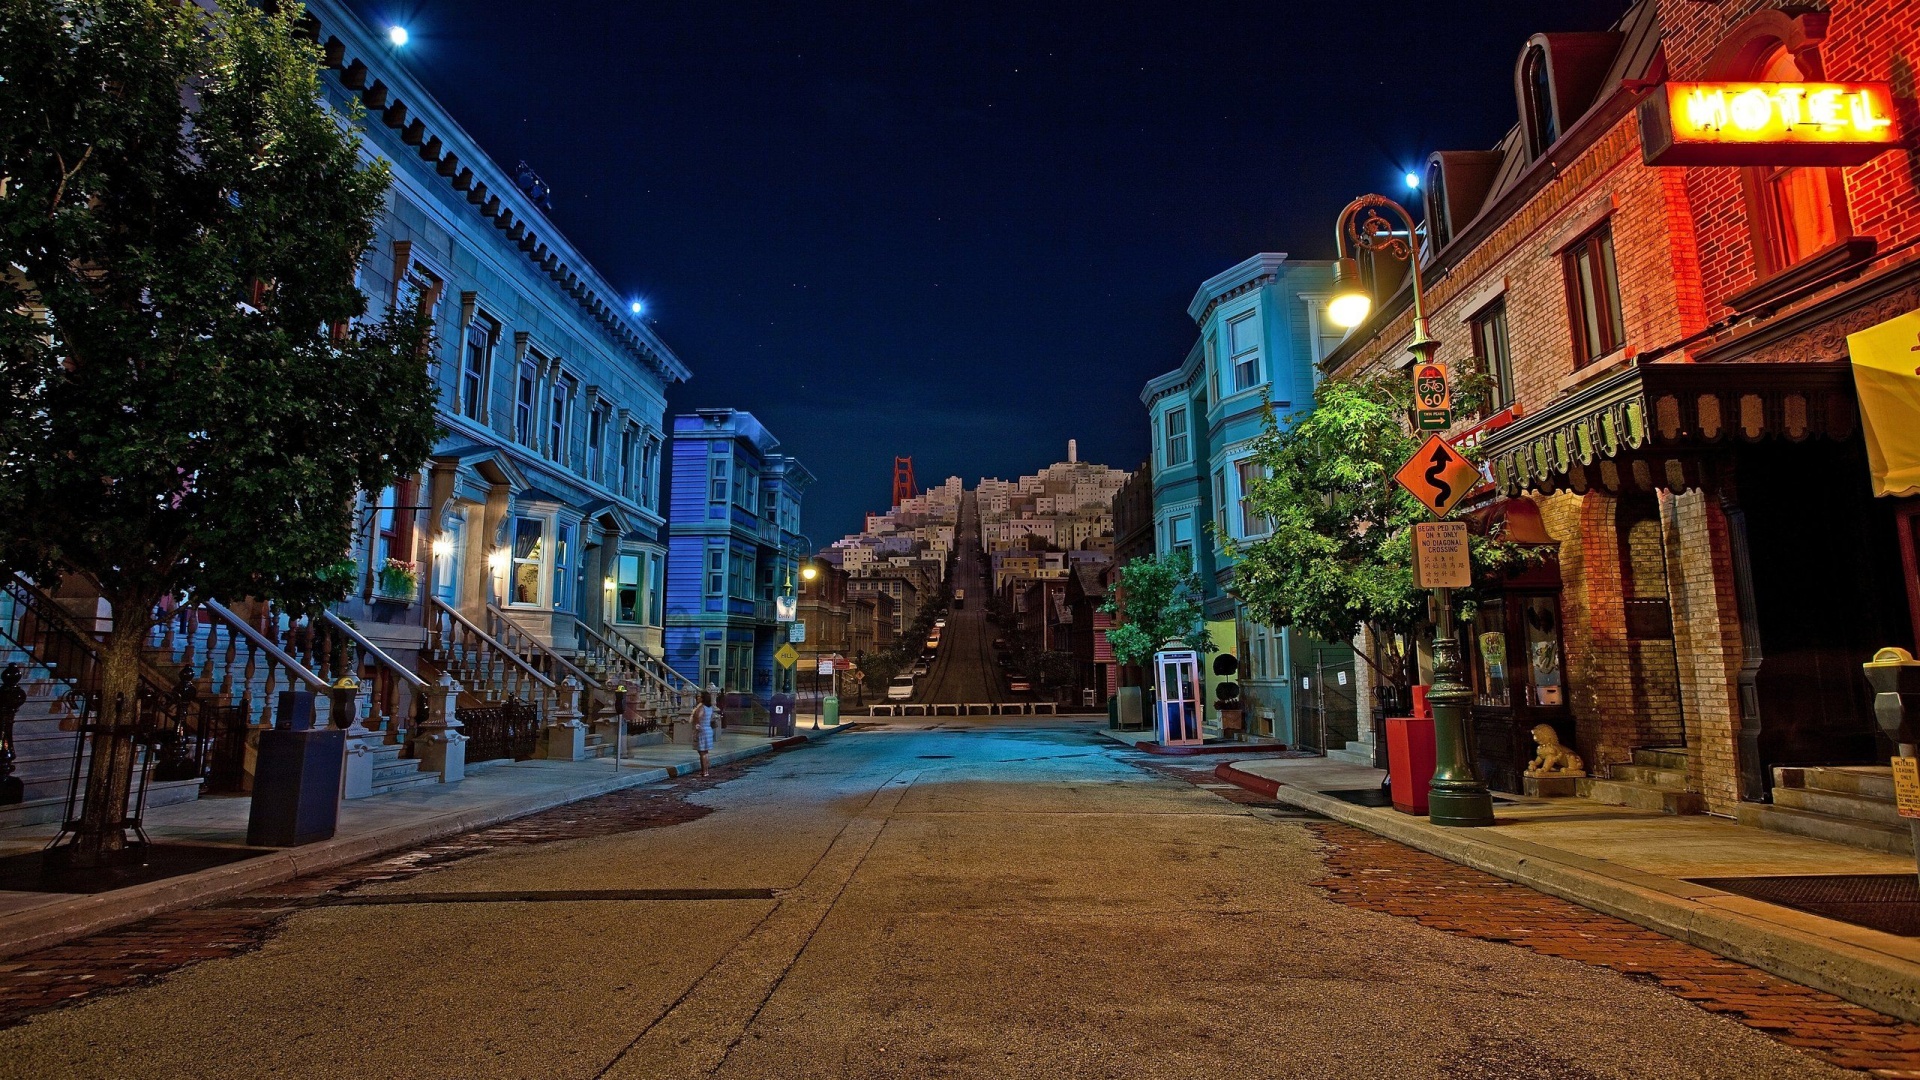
(1073, 451)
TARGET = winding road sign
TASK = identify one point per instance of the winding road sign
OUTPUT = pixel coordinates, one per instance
(1438, 476)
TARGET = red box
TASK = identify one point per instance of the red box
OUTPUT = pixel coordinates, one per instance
(1410, 761)
(1422, 708)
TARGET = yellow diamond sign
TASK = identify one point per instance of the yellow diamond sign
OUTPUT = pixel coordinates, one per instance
(786, 655)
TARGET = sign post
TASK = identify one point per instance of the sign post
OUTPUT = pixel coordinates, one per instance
(1440, 477)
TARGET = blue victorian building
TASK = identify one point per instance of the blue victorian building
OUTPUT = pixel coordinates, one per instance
(1262, 327)
(735, 549)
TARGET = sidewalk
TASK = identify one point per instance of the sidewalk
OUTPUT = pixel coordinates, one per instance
(491, 793)
(1634, 864)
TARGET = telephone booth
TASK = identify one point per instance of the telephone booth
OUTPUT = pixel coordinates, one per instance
(1177, 677)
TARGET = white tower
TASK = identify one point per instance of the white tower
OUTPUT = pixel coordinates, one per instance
(1073, 451)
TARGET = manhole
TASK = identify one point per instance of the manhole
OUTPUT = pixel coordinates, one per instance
(1889, 903)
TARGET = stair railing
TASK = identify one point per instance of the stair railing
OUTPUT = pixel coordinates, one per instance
(239, 664)
(484, 665)
(397, 692)
(597, 699)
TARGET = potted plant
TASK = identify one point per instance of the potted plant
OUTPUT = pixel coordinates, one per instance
(398, 580)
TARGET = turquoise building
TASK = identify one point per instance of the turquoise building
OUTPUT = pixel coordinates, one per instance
(1262, 328)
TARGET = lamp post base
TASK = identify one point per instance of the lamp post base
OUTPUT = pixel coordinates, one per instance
(1459, 809)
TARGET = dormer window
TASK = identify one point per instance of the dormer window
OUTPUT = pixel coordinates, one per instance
(1439, 229)
(1536, 80)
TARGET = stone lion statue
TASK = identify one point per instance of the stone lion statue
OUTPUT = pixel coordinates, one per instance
(1554, 758)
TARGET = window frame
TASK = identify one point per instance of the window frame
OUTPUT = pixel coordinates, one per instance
(560, 415)
(560, 563)
(1761, 186)
(1497, 363)
(1182, 438)
(476, 368)
(1248, 357)
(1596, 245)
(1250, 524)
(1536, 89)
(537, 560)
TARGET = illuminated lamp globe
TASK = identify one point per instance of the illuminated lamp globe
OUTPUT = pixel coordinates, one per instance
(1413, 181)
(636, 307)
(809, 572)
(397, 35)
(1350, 303)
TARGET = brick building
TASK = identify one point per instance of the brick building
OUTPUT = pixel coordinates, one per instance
(1675, 406)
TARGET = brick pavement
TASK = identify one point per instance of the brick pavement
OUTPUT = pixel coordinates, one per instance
(137, 954)
(1377, 874)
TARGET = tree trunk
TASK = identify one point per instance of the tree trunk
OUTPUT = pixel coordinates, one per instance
(101, 834)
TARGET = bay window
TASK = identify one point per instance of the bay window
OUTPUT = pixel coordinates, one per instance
(526, 567)
(563, 556)
(1243, 345)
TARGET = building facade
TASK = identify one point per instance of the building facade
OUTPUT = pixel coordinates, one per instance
(735, 549)
(1262, 325)
(1676, 409)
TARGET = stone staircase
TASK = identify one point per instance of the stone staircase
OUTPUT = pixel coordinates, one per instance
(1656, 780)
(1845, 804)
(391, 772)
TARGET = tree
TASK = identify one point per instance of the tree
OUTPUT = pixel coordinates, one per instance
(1338, 554)
(877, 669)
(193, 398)
(1158, 600)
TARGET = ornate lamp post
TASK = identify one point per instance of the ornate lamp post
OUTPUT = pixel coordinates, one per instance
(1457, 795)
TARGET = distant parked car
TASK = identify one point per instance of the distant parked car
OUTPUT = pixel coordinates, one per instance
(920, 668)
(901, 688)
(1019, 685)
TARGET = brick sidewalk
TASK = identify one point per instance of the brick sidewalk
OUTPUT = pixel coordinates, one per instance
(142, 952)
(1377, 874)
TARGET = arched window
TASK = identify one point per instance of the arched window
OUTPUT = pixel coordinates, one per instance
(1795, 211)
(1543, 128)
(1439, 229)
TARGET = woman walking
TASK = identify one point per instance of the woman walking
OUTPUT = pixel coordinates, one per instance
(703, 728)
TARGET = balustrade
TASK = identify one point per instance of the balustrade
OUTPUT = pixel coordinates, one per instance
(238, 664)
(483, 664)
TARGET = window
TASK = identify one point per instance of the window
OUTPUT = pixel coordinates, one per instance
(526, 398)
(1593, 297)
(1251, 524)
(393, 525)
(626, 590)
(563, 567)
(656, 593)
(473, 369)
(1219, 504)
(1439, 229)
(1795, 212)
(1213, 365)
(1536, 82)
(450, 545)
(719, 472)
(560, 417)
(627, 435)
(649, 471)
(1490, 345)
(712, 677)
(528, 555)
(1243, 342)
(596, 439)
(716, 572)
(1177, 436)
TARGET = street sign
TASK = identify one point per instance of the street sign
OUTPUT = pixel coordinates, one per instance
(826, 667)
(1438, 476)
(797, 631)
(1433, 397)
(1440, 555)
(786, 608)
(786, 655)
(1906, 786)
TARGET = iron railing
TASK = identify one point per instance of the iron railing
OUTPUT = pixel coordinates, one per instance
(510, 729)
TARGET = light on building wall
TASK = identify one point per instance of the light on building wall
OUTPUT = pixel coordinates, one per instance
(442, 546)
(398, 35)
(1350, 302)
(497, 559)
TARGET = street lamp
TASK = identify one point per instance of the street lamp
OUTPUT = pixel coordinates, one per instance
(1457, 795)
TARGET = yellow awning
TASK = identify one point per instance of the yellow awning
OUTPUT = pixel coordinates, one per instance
(1886, 376)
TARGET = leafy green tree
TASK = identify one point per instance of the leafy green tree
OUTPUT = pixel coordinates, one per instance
(877, 669)
(1338, 556)
(1158, 599)
(191, 404)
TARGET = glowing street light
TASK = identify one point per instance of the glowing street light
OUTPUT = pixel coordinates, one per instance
(1413, 181)
(397, 35)
(636, 307)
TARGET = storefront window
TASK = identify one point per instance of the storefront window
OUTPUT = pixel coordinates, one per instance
(529, 552)
(1541, 615)
(1490, 678)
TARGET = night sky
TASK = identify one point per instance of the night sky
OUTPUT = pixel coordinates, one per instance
(968, 231)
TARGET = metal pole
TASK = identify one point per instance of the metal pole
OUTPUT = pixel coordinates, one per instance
(1457, 795)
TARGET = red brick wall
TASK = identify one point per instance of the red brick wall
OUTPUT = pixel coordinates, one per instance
(1866, 40)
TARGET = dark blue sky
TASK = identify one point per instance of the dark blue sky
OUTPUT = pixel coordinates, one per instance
(962, 231)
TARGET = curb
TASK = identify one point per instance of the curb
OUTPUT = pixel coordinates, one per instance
(1678, 909)
(64, 920)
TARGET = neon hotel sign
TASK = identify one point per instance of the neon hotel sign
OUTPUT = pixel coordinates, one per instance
(1752, 123)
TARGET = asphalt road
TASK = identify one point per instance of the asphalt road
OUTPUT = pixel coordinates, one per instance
(964, 671)
(962, 898)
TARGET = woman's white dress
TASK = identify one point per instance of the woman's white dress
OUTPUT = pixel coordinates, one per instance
(703, 727)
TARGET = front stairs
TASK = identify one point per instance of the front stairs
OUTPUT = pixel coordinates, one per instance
(1844, 804)
(1656, 780)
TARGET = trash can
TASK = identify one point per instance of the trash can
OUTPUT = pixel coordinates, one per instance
(1410, 761)
(297, 786)
(830, 710)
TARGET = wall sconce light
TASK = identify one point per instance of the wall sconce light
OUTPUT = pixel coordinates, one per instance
(442, 546)
(609, 584)
(497, 559)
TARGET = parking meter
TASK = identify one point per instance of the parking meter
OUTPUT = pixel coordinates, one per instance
(1895, 677)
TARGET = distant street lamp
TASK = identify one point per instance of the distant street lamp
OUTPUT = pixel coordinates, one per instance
(1457, 795)
(398, 36)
